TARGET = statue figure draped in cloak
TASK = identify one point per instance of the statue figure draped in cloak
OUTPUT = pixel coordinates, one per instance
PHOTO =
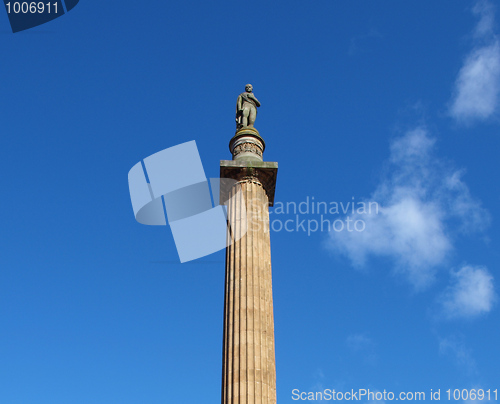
(246, 108)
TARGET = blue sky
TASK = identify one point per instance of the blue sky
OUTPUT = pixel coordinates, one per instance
(386, 101)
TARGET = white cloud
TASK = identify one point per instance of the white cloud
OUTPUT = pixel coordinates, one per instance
(359, 342)
(364, 43)
(486, 13)
(454, 347)
(471, 293)
(478, 85)
(423, 203)
(463, 205)
(477, 88)
(319, 384)
(363, 346)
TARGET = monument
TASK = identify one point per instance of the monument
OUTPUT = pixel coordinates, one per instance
(248, 363)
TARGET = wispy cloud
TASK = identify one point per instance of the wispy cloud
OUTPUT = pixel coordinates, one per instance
(423, 204)
(485, 11)
(363, 345)
(454, 347)
(470, 294)
(319, 381)
(364, 43)
(359, 342)
(477, 87)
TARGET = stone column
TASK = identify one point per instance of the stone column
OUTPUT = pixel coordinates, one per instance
(248, 369)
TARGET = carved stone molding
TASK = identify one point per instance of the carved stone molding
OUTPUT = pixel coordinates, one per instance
(247, 147)
(260, 172)
(247, 144)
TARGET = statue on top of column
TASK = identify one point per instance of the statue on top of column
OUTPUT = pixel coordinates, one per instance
(246, 108)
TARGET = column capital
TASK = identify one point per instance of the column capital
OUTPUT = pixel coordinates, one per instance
(262, 172)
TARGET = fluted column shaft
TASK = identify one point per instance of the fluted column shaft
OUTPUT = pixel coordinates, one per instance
(249, 370)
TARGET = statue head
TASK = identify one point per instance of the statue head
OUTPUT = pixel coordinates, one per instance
(248, 88)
